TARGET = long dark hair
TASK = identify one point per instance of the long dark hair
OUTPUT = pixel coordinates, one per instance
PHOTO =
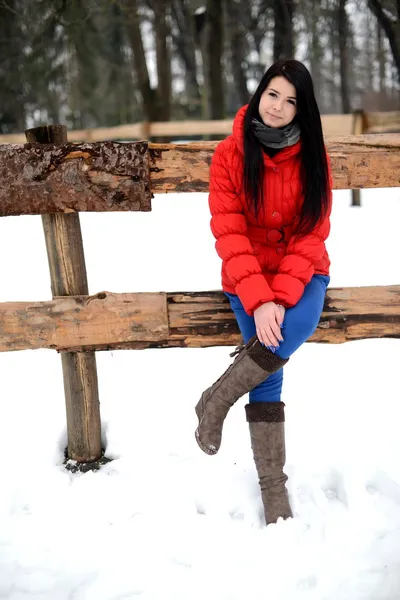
(314, 170)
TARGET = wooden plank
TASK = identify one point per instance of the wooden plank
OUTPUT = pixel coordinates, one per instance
(68, 276)
(334, 125)
(180, 167)
(383, 122)
(365, 161)
(115, 177)
(84, 320)
(182, 319)
(191, 127)
(134, 131)
(39, 179)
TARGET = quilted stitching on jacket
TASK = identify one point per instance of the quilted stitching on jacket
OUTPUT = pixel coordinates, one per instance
(279, 267)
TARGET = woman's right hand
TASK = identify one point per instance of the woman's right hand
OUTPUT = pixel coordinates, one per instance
(268, 319)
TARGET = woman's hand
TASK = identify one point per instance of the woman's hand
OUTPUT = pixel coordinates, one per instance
(268, 319)
(283, 310)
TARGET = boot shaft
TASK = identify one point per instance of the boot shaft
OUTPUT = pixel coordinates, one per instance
(267, 434)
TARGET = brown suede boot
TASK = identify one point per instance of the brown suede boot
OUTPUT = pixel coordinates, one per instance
(252, 365)
(267, 432)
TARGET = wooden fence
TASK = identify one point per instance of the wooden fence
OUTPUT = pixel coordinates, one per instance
(57, 179)
(357, 123)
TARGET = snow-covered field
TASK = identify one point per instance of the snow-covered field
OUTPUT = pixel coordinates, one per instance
(162, 521)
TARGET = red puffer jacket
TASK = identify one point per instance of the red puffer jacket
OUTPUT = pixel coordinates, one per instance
(261, 258)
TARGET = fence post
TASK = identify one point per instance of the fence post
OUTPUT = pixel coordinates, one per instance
(146, 127)
(358, 129)
(68, 277)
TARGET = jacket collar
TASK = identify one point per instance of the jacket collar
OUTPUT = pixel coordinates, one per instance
(238, 135)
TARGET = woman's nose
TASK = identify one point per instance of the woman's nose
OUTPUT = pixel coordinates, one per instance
(277, 105)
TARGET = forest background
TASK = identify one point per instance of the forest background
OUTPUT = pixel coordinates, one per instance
(91, 63)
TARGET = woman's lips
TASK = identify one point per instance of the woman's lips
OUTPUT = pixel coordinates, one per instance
(273, 116)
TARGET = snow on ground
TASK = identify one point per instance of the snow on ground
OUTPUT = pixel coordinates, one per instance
(162, 521)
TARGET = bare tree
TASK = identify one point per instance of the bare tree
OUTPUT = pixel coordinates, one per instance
(283, 32)
(183, 39)
(380, 57)
(258, 20)
(163, 57)
(209, 29)
(344, 55)
(12, 109)
(388, 14)
(156, 100)
(238, 47)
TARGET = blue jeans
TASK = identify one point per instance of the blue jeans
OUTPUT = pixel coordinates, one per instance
(299, 324)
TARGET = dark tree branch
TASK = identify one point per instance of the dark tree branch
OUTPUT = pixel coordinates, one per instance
(391, 29)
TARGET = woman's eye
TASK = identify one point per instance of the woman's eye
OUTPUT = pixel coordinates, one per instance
(292, 102)
(272, 94)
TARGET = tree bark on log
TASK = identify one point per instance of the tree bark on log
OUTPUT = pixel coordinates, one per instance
(109, 321)
(110, 176)
(104, 176)
(68, 276)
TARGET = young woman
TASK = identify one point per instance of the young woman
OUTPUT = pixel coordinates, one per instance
(270, 201)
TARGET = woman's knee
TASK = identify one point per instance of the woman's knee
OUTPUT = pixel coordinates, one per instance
(302, 325)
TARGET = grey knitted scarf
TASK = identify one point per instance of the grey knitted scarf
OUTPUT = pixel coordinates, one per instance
(274, 137)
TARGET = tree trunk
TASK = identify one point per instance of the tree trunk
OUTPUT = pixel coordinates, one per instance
(116, 85)
(149, 95)
(334, 97)
(369, 51)
(184, 43)
(12, 110)
(312, 14)
(283, 32)
(344, 56)
(238, 50)
(214, 35)
(163, 59)
(381, 58)
(391, 27)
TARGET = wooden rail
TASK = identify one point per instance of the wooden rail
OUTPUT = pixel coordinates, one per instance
(109, 321)
(382, 122)
(113, 176)
(332, 125)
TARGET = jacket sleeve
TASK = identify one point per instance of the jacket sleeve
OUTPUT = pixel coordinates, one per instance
(302, 253)
(229, 227)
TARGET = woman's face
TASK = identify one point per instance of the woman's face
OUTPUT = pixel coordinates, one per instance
(277, 106)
